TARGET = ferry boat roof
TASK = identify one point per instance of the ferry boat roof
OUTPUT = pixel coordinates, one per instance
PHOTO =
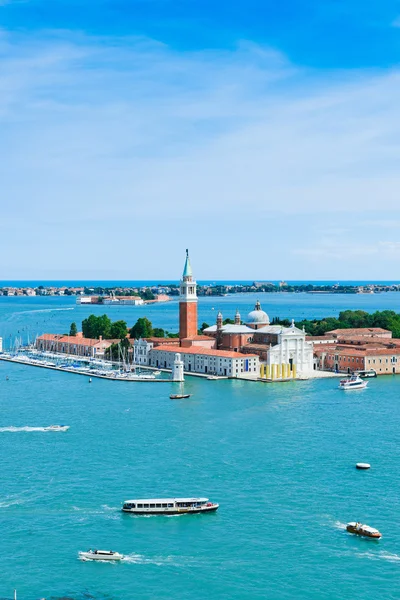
(165, 500)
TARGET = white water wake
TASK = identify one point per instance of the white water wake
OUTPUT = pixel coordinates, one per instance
(139, 559)
(10, 501)
(18, 429)
(381, 555)
(41, 310)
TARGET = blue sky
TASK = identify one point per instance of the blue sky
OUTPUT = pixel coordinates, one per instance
(264, 136)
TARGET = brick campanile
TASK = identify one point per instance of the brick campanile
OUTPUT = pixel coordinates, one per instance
(187, 303)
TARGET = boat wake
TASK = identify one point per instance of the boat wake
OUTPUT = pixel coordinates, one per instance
(340, 525)
(88, 514)
(42, 310)
(18, 429)
(9, 501)
(381, 555)
(113, 508)
(139, 559)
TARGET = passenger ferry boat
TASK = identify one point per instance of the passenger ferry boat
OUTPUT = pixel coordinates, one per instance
(352, 383)
(169, 506)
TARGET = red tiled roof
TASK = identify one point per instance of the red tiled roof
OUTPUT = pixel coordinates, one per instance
(195, 338)
(76, 340)
(359, 330)
(158, 340)
(50, 336)
(204, 352)
(382, 351)
(378, 351)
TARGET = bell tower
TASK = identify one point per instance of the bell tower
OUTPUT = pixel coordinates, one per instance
(187, 303)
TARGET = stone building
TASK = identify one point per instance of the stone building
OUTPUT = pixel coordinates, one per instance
(283, 351)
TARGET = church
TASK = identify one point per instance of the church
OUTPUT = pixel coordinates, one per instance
(246, 350)
(283, 351)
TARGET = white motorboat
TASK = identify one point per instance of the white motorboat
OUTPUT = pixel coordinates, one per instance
(368, 373)
(57, 428)
(169, 506)
(352, 383)
(100, 555)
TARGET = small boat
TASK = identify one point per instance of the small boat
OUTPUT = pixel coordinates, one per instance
(212, 377)
(352, 383)
(156, 372)
(363, 466)
(100, 555)
(368, 373)
(57, 428)
(365, 530)
(169, 506)
(179, 396)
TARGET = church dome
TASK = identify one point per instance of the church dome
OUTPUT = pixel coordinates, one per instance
(257, 316)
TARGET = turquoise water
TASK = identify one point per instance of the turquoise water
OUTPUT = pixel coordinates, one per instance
(26, 317)
(279, 459)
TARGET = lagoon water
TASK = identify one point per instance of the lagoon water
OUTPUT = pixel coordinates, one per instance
(280, 460)
(22, 317)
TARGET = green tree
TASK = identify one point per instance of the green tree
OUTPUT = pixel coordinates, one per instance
(142, 329)
(118, 330)
(158, 332)
(119, 351)
(94, 327)
(73, 330)
(228, 322)
(204, 326)
(147, 295)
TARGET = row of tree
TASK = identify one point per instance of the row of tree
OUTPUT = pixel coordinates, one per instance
(143, 328)
(94, 327)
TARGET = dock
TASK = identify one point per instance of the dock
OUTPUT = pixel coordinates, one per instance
(133, 378)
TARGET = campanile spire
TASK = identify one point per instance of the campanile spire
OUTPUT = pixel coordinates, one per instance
(187, 302)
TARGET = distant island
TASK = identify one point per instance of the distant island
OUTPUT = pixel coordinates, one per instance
(162, 292)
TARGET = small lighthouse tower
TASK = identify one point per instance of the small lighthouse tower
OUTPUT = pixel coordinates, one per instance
(187, 303)
(177, 369)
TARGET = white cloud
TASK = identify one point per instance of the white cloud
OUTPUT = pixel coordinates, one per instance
(109, 132)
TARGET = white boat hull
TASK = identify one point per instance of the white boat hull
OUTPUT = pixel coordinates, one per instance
(359, 386)
(93, 556)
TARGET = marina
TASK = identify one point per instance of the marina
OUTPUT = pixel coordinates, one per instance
(107, 372)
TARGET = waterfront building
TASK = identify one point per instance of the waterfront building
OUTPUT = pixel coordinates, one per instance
(207, 361)
(74, 345)
(141, 351)
(363, 332)
(349, 350)
(123, 300)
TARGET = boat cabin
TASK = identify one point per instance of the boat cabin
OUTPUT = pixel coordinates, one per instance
(168, 505)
